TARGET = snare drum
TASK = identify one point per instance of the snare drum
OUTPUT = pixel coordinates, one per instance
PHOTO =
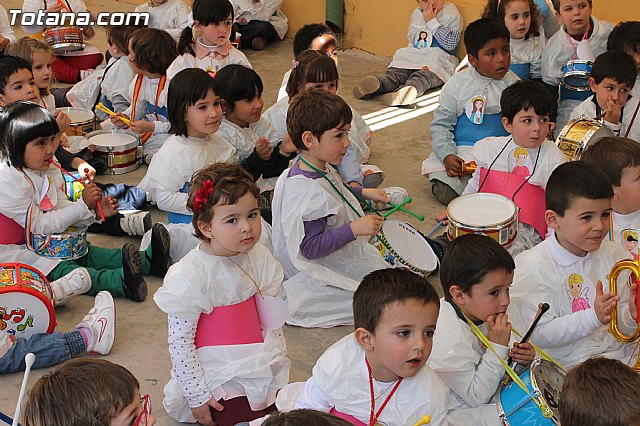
(120, 148)
(544, 381)
(483, 213)
(83, 121)
(578, 134)
(575, 75)
(64, 39)
(69, 245)
(403, 246)
(26, 301)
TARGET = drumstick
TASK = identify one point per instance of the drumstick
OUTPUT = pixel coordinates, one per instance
(86, 172)
(402, 209)
(424, 420)
(393, 210)
(435, 228)
(66, 172)
(28, 360)
(106, 110)
(63, 5)
(542, 308)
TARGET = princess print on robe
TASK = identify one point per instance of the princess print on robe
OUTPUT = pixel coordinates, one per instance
(521, 168)
(578, 302)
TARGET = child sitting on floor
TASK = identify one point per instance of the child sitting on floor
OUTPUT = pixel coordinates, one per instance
(171, 16)
(259, 22)
(626, 37)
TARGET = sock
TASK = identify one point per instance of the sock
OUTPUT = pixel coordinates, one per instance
(75, 342)
(87, 336)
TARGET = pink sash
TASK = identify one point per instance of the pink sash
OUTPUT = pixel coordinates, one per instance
(346, 417)
(237, 324)
(11, 232)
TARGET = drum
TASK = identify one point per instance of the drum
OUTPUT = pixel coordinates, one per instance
(578, 134)
(483, 213)
(544, 381)
(26, 301)
(575, 75)
(64, 39)
(120, 148)
(69, 245)
(403, 246)
(83, 121)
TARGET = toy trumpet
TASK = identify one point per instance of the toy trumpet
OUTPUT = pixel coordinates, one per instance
(613, 287)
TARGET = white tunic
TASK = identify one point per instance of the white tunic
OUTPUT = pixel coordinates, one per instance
(244, 139)
(5, 26)
(172, 16)
(627, 122)
(264, 10)
(116, 84)
(33, 6)
(528, 51)
(624, 226)
(207, 63)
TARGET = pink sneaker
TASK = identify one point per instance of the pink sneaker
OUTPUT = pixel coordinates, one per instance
(101, 320)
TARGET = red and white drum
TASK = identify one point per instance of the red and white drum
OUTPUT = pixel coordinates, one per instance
(26, 301)
(64, 39)
(120, 148)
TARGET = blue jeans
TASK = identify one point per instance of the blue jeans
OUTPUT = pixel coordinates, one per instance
(49, 349)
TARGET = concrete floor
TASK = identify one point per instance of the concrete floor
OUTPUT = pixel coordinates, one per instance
(141, 327)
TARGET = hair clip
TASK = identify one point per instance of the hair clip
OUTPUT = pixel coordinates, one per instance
(295, 63)
(202, 195)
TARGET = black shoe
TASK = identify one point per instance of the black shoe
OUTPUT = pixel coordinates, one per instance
(160, 245)
(133, 284)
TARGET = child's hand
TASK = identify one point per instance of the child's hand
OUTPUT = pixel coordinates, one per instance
(425, 68)
(81, 165)
(522, 353)
(109, 206)
(91, 194)
(115, 120)
(142, 126)
(64, 141)
(88, 32)
(604, 303)
(63, 120)
(203, 412)
(287, 147)
(441, 215)
(55, 8)
(453, 165)
(499, 329)
(366, 225)
(612, 111)
(633, 293)
(375, 195)
(429, 12)
(263, 148)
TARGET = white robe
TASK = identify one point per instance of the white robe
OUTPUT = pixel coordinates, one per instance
(115, 86)
(264, 10)
(5, 26)
(528, 51)
(172, 16)
(207, 63)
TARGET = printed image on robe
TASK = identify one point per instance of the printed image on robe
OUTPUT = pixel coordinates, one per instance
(578, 293)
(630, 239)
(475, 109)
(423, 40)
(520, 162)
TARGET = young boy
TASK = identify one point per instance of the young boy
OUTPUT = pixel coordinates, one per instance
(476, 274)
(614, 74)
(259, 22)
(427, 62)
(581, 37)
(96, 392)
(569, 271)
(378, 374)
(469, 108)
(320, 233)
(587, 390)
(626, 37)
(619, 160)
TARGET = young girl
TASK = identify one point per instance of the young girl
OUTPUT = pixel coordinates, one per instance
(150, 53)
(522, 19)
(195, 114)
(259, 22)
(40, 56)
(225, 308)
(206, 43)
(168, 15)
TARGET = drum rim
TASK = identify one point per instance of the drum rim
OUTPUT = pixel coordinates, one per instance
(121, 148)
(78, 123)
(513, 216)
(48, 303)
(383, 240)
(82, 233)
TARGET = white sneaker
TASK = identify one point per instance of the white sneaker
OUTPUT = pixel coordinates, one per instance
(136, 223)
(74, 283)
(396, 194)
(101, 320)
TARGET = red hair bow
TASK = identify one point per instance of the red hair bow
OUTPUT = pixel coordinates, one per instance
(202, 195)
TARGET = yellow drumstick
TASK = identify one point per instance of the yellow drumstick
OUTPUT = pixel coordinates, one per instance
(104, 109)
(424, 420)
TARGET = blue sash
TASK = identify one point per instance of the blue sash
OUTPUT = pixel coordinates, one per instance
(467, 134)
(522, 70)
(179, 217)
(106, 102)
(151, 108)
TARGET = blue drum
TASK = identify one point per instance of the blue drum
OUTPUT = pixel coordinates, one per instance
(544, 381)
(69, 245)
(575, 75)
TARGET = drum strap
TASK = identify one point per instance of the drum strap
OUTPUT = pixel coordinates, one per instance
(66, 5)
(584, 37)
(633, 119)
(136, 93)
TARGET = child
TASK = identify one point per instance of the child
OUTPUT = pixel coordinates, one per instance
(578, 199)
(171, 16)
(395, 313)
(426, 63)
(581, 37)
(614, 74)
(626, 37)
(304, 417)
(228, 360)
(6, 32)
(150, 53)
(619, 160)
(453, 129)
(205, 44)
(30, 184)
(259, 22)
(586, 394)
(476, 274)
(522, 19)
(97, 391)
(195, 114)
(317, 221)
(51, 349)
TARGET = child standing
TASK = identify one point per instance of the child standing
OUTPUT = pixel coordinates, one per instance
(171, 16)
(320, 233)
(469, 108)
(259, 22)
(225, 308)
(626, 37)
(426, 63)
(578, 199)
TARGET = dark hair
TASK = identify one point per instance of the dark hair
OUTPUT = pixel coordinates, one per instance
(119, 35)
(496, 9)
(315, 111)
(311, 67)
(575, 179)
(154, 50)
(205, 12)
(556, 4)
(381, 288)
(20, 123)
(482, 31)
(625, 36)
(616, 65)
(9, 65)
(230, 182)
(81, 392)
(602, 392)
(469, 258)
(305, 36)
(304, 418)
(238, 83)
(524, 95)
(611, 155)
(185, 89)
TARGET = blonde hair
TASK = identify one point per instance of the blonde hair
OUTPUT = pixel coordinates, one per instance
(520, 151)
(575, 279)
(630, 233)
(24, 49)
